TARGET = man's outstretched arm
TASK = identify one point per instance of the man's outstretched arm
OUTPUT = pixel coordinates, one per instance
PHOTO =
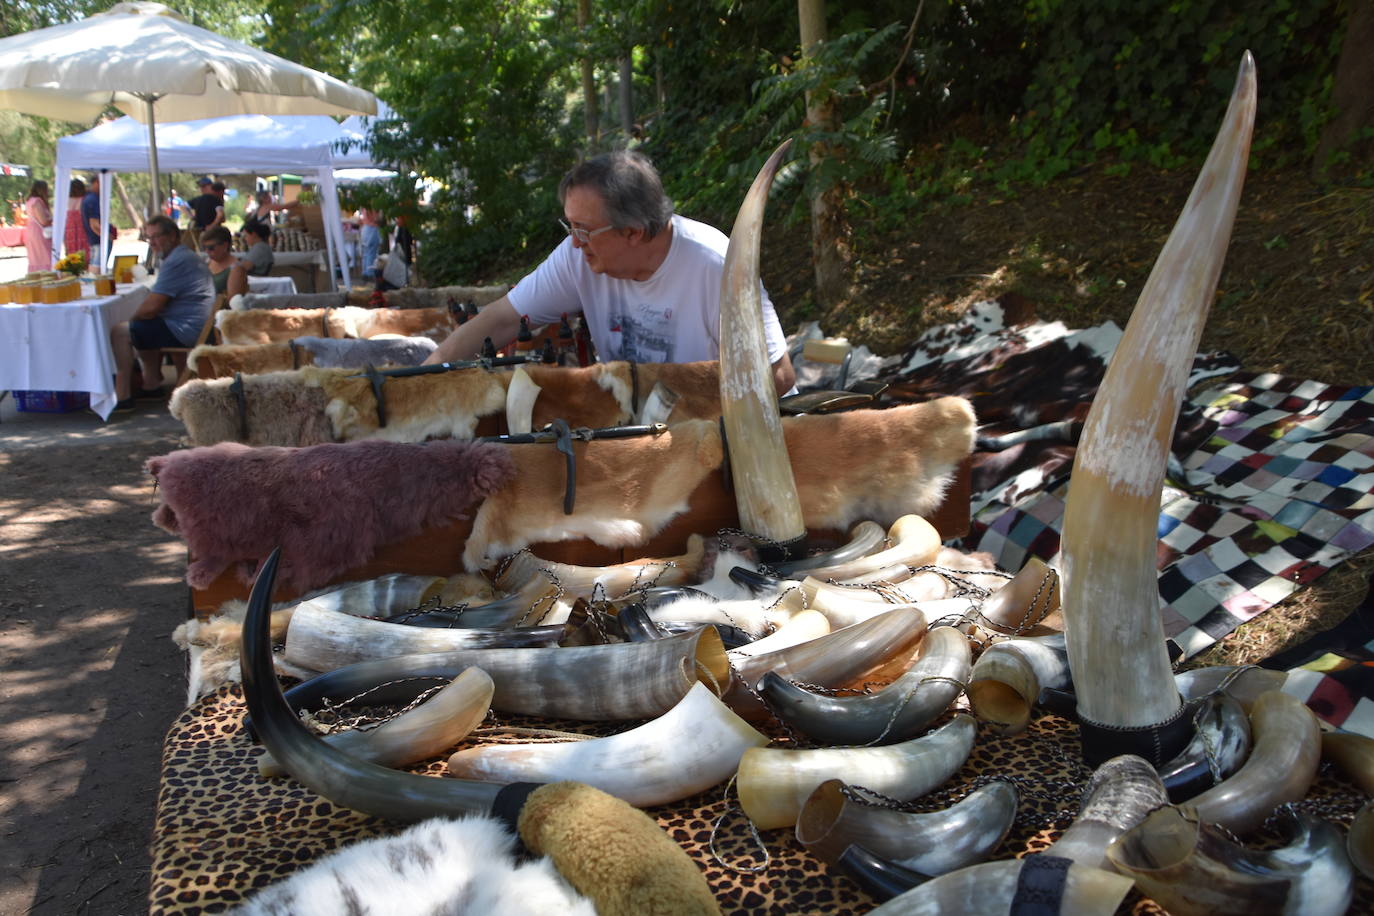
(499, 321)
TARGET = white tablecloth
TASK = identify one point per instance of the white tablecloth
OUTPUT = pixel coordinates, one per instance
(272, 286)
(65, 347)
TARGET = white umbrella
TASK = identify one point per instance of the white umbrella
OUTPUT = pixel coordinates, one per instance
(150, 63)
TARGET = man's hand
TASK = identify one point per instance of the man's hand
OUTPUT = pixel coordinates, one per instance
(784, 376)
(499, 321)
(152, 306)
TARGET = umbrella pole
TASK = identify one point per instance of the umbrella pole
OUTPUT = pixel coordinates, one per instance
(156, 192)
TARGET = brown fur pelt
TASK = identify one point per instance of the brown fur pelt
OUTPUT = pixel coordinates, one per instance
(280, 410)
(260, 326)
(418, 407)
(208, 361)
(863, 464)
(697, 386)
(627, 489)
(437, 297)
(604, 394)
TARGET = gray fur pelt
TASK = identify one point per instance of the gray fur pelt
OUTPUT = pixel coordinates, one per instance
(441, 867)
(289, 301)
(331, 353)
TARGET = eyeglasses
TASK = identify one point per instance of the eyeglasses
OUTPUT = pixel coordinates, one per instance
(582, 235)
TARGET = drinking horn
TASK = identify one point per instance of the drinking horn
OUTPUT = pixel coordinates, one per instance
(1028, 605)
(1243, 682)
(801, 627)
(1354, 754)
(880, 879)
(896, 712)
(542, 815)
(536, 601)
(760, 469)
(1359, 842)
(638, 626)
(1193, 868)
(428, 730)
(613, 581)
(521, 393)
(1007, 679)
(838, 659)
(1067, 877)
(614, 682)
(321, 640)
(914, 542)
(1220, 746)
(835, 818)
(1280, 768)
(1111, 593)
(774, 783)
(695, 745)
(864, 538)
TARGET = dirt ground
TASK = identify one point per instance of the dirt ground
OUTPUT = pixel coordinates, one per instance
(90, 592)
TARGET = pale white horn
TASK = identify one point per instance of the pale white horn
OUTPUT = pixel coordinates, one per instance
(614, 581)
(521, 394)
(915, 542)
(692, 747)
(774, 783)
(1111, 594)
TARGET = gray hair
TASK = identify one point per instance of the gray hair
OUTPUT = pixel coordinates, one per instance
(630, 187)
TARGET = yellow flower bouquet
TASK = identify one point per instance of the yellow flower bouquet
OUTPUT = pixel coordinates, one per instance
(73, 263)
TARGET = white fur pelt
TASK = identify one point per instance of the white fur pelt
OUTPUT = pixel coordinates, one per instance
(438, 867)
(332, 353)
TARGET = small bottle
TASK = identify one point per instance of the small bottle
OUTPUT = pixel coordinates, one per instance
(586, 353)
(488, 348)
(470, 308)
(567, 346)
(548, 356)
(455, 311)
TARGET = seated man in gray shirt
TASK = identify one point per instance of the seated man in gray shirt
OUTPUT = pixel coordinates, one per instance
(259, 258)
(172, 315)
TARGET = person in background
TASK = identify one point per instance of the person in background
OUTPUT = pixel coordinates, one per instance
(258, 259)
(207, 208)
(73, 232)
(38, 229)
(370, 221)
(174, 206)
(264, 206)
(225, 270)
(90, 218)
(172, 315)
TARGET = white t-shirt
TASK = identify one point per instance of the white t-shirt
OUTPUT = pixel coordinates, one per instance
(672, 317)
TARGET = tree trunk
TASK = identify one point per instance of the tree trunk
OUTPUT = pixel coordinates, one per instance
(592, 112)
(1352, 95)
(627, 112)
(830, 252)
(128, 204)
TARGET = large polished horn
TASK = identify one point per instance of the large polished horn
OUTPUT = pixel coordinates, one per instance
(836, 817)
(864, 538)
(1028, 605)
(1243, 682)
(1192, 868)
(760, 470)
(774, 783)
(614, 581)
(1111, 593)
(695, 745)
(894, 713)
(1280, 768)
(914, 542)
(1354, 754)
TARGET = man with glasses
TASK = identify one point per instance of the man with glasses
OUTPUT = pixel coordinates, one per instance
(647, 281)
(171, 316)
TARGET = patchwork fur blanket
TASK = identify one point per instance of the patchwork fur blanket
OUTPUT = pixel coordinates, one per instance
(328, 507)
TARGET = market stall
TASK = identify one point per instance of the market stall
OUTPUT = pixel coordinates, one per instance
(246, 144)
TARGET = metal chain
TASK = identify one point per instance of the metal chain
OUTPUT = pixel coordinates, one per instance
(367, 721)
(731, 808)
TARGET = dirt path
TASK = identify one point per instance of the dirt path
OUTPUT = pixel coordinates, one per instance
(89, 678)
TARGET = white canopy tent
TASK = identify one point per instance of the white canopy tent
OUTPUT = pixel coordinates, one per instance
(244, 144)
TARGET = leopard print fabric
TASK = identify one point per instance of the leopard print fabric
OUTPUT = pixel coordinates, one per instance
(221, 832)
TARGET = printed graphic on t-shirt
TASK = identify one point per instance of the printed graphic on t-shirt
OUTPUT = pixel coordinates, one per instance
(644, 334)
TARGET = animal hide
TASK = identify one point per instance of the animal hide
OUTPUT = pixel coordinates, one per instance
(329, 507)
(289, 301)
(863, 464)
(261, 326)
(434, 323)
(438, 866)
(627, 490)
(437, 297)
(357, 354)
(281, 410)
(418, 407)
(208, 361)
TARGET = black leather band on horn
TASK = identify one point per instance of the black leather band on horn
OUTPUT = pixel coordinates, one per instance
(241, 402)
(1157, 743)
(882, 879)
(779, 551)
(378, 381)
(510, 801)
(1040, 886)
(634, 390)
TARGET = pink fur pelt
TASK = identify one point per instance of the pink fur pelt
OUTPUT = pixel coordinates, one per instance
(328, 506)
